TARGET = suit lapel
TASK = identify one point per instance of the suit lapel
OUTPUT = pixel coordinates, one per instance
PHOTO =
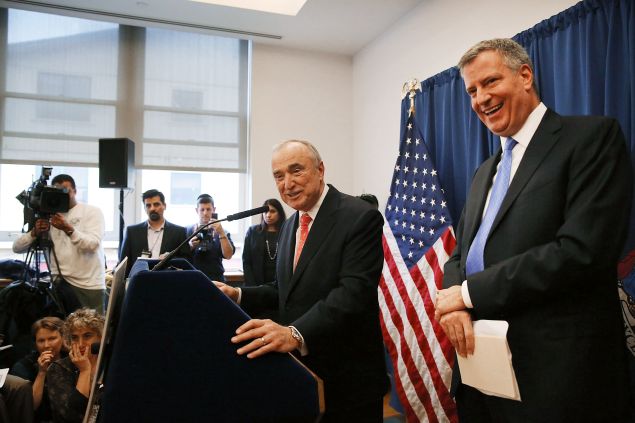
(541, 143)
(284, 264)
(144, 237)
(165, 238)
(478, 195)
(320, 230)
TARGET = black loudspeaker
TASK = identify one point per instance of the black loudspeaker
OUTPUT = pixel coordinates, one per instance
(116, 163)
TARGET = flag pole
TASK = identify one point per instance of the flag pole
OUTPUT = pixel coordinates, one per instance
(418, 239)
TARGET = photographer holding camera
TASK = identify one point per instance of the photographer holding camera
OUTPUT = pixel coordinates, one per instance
(76, 254)
(212, 245)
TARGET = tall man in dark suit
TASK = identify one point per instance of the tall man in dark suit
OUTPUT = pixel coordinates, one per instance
(329, 263)
(544, 258)
(154, 237)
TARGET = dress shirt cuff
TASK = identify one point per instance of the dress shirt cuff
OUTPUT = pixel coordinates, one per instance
(303, 349)
(465, 293)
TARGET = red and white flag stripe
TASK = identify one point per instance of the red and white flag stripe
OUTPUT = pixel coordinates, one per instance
(421, 354)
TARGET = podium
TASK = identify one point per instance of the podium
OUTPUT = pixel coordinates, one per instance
(172, 359)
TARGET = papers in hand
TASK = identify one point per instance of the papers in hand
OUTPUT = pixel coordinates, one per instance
(490, 368)
(3, 376)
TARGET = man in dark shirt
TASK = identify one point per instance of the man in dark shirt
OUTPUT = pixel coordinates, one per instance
(211, 246)
(155, 237)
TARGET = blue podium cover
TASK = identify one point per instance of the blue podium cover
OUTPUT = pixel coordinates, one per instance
(173, 361)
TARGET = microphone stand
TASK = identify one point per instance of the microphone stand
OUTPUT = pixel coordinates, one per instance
(160, 265)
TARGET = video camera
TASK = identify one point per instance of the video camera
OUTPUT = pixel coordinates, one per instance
(41, 201)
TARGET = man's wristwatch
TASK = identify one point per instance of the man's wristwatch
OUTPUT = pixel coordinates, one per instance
(296, 335)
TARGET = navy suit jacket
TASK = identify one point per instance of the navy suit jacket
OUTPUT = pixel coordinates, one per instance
(331, 297)
(135, 241)
(550, 268)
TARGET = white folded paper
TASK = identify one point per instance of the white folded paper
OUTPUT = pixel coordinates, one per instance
(490, 368)
(3, 376)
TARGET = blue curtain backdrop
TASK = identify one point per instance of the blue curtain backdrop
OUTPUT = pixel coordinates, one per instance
(584, 61)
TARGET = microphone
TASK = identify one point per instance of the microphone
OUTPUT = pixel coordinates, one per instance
(160, 265)
(247, 213)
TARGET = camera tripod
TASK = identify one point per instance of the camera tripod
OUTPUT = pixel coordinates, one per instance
(41, 247)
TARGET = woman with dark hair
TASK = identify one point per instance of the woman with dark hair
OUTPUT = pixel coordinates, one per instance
(69, 379)
(261, 245)
(49, 344)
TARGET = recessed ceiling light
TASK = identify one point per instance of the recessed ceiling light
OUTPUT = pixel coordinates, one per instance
(283, 7)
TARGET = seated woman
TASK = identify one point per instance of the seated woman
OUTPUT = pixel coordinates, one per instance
(261, 246)
(49, 345)
(69, 379)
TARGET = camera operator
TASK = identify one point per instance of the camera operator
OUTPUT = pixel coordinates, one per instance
(212, 245)
(77, 256)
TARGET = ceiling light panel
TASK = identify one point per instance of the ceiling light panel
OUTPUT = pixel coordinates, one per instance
(282, 7)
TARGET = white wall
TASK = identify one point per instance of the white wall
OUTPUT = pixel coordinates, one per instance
(425, 42)
(300, 95)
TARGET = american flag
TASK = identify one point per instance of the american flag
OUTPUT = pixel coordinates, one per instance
(418, 239)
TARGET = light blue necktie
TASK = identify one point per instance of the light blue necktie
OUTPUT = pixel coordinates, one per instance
(474, 261)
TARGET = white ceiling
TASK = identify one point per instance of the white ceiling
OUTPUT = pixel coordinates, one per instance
(337, 26)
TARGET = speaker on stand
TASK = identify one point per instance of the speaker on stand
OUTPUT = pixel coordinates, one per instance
(116, 169)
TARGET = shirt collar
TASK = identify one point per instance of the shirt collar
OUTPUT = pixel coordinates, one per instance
(150, 228)
(527, 131)
(316, 207)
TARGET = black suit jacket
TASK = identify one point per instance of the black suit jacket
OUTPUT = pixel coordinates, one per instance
(550, 268)
(331, 298)
(254, 256)
(135, 241)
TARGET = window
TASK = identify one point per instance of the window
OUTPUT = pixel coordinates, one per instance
(61, 88)
(185, 187)
(59, 85)
(194, 102)
(182, 97)
(180, 198)
(187, 99)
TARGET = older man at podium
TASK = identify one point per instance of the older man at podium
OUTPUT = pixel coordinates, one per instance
(328, 268)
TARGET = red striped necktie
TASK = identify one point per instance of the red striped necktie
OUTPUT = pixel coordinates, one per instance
(305, 219)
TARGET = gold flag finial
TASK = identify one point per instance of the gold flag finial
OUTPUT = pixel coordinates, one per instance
(410, 88)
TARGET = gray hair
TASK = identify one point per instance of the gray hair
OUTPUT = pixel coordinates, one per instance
(514, 55)
(82, 318)
(315, 155)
